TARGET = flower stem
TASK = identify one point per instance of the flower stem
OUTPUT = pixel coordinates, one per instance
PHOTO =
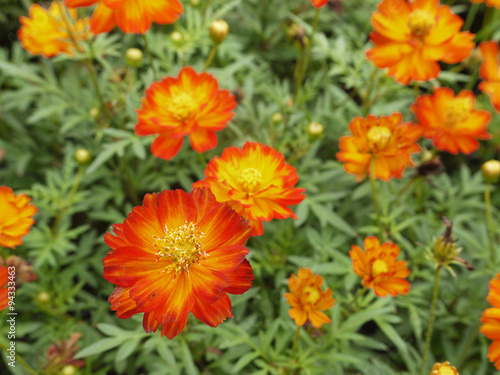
(19, 359)
(72, 192)
(489, 220)
(295, 342)
(150, 56)
(431, 319)
(374, 194)
(303, 69)
(202, 160)
(210, 57)
(416, 89)
(3, 255)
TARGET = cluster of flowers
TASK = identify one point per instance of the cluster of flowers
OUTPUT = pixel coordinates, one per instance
(185, 252)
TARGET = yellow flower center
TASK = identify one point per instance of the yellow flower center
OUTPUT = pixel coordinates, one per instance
(312, 294)
(458, 111)
(182, 246)
(378, 267)
(379, 136)
(446, 370)
(250, 179)
(182, 106)
(421, 22)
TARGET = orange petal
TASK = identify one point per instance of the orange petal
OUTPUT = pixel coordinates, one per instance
(207, 284)
(215, 313)
(241, 280)
(172, 329)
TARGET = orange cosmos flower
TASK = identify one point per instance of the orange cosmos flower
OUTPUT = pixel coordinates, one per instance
(255, 181)
(490, 3)
(131, 16)
(490, 72)
(15, 220)
(307, 298)
(410, 38)
(379, 269)
(491, 321)
(45, 32)
(178, 253)
(319, 3)
(385, 140)
(191, 104)
(452, 122)
(4, 291)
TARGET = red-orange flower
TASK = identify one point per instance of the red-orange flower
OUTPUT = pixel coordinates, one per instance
(491, 321)
(452, 122)
(319, 3)
(490, 3)
(4, 280)
(45, 32)
(490, 72)
(131, 16)
(15, 220)
(255, 181)
(178, 253)
(192, 105)
(410, 38)
(379, 269)
(385, 140)
(306, 298)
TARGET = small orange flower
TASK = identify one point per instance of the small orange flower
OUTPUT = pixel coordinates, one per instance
(4, 291)
(319, 3)
(490, 3)
(410, 38)
(443, 369)
(192, 105)
(307, 298)
(15, 221)
(255, 181)
(178, 253)
(131, 16)
(452, 122)
(45, 32)
(490, 72)
(385, 140)
(491, 321)
(379, 269)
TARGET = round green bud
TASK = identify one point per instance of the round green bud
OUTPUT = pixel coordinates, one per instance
(315, 129)
(218, 31)
(82, 156)
(277, 118)
(43, 298)
(68, 370)
(491, 171)
(133, 57)
(176, 37)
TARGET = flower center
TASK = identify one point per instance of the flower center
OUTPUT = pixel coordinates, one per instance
(312, 294)
(379, 136)
(182, 246)
(250, 179)
(458, 111)
(182, 106)
(446, 370)
(421, 22)
(378, 267)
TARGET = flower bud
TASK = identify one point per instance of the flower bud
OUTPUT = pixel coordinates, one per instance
(491, 171)
(445, 251)
(218, 31)
(194, 3)
(94, 112)
(68, 370)
(43, 298)
(277, 118)
(82, 156)
(133, 57)
(315, 129)
(176, 37)
(444, 369)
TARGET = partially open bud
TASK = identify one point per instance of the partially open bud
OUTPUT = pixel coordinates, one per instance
(277, 118)
(133, 57)
(218, 31)
(445, 250)
(444, 369)
(315, 129)
(82, 156)
(298, 34)
(43, 298)
(491, 171)
(176, 37)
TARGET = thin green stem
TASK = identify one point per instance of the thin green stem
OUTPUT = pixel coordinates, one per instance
(470, 16)
(150, 56)
(3, 255)
(374, 194)
(489, 220)
(129, 183)
(431, 320)
(67, 203)
(416, 89)
(202, 160)
(407, 186)
(19, 359)
(295, 342)
(210, 57)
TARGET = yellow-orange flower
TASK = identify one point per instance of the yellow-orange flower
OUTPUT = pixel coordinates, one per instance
(131, 16)
(410, 38)
(4, 291)
(443, 369)
(379, 269)
(491, 321)
(452, 122)
(15, 220)
(192, 105)
(45, 32)
(319, 3)
(386, 140)
(255, 181)
(306, 298)
(178, 253)
(490, 72)
(490, 3)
